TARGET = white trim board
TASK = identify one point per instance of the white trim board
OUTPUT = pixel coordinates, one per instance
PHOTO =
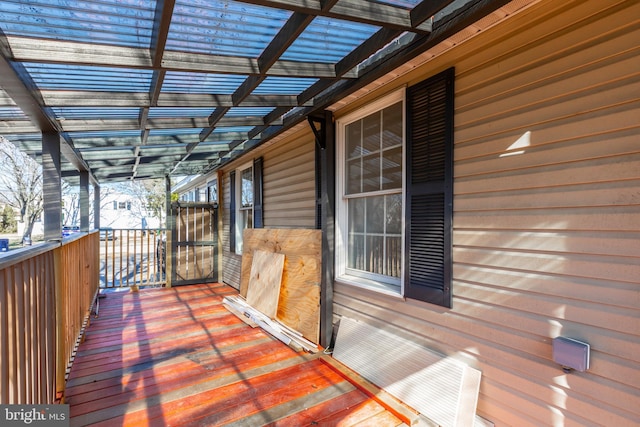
(441, 388)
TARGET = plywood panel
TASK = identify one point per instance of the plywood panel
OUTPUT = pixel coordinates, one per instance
(299, 304)
(264, 282)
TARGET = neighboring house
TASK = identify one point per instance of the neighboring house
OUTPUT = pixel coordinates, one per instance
(486, 202)
(198, 189)
(125, 211)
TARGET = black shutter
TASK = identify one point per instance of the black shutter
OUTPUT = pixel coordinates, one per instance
(257, 193)
(232, 211)
(429, 204)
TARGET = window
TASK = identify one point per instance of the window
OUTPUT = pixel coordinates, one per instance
(371, 146)
(212, 191)
(201, 194)
(115, 205)
(244, 213)
(395, 191)
(246, 202)
(122, 205)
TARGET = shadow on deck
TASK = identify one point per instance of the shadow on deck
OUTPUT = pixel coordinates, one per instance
(176, 356)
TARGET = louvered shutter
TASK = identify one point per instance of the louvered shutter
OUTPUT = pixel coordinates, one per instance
(429, 190)
(232, 211)
(257, 194)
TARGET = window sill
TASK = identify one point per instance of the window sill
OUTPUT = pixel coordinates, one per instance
(371, 285)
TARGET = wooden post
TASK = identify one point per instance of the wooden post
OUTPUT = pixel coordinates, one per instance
(96, 206)
(327, 187)
(169, 256)
(84, 201)
(61, 327)
(51, 186)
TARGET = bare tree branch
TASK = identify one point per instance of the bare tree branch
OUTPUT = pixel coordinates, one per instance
(21, 184)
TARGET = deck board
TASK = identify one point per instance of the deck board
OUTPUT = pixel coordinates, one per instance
(177, 357)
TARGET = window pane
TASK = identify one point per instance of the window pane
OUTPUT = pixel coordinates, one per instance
(354, 140)
(247, 187)
(392, 168)
(354, 176)
(375, 254)
(213, 193)
(375, 215)
(371, 137)
(375, 236)
(356, 252)
(393, 215)
(247, 218)
(356, 216)
(393, 257)
(371, 173)
(392, 126)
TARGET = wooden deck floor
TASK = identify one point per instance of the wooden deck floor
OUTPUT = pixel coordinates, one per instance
(168, 357)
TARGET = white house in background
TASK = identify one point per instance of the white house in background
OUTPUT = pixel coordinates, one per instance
(119, 210)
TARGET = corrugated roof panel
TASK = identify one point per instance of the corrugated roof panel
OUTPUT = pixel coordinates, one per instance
(407, 4)
(171, 112)
(118, 22)
(95, 113)
(183, 82)
(248, 111)
(12, 113)
(105, 134)
(328, 40)
(223, 27)
(80, 77)
(226, 129)
(283, 86)
(184, 131)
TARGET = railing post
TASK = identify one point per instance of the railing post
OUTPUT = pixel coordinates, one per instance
(170, 226)
(60, 310)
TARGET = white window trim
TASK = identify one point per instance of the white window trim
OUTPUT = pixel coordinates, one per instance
(366, 281)
(238, 190)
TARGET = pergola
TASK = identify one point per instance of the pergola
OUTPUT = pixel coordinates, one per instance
(136, 89)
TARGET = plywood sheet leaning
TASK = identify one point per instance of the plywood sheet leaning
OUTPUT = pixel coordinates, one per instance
(263, 292)
(299, 303)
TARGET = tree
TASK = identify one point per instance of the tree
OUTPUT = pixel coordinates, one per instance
(8, 222)
(21, 184)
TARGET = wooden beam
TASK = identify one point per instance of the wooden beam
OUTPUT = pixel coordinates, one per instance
(161, 23)
(349, 62)
(427, 9)
(373, 13)
(361, 11)
(289, 32)
(406, 48)
(17, 83)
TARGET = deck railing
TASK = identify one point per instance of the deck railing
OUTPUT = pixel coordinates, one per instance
(46, 294)
(132, 257)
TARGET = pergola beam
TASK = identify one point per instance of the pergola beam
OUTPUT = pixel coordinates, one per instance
(361, 11)
(27, 49)
(17, 83)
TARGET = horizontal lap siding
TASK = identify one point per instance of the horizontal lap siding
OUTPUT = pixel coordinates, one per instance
(288, 193)
(231, 262)
(547, 217)
(289, 184)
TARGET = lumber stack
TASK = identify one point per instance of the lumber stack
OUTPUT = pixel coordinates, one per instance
(280, 285)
